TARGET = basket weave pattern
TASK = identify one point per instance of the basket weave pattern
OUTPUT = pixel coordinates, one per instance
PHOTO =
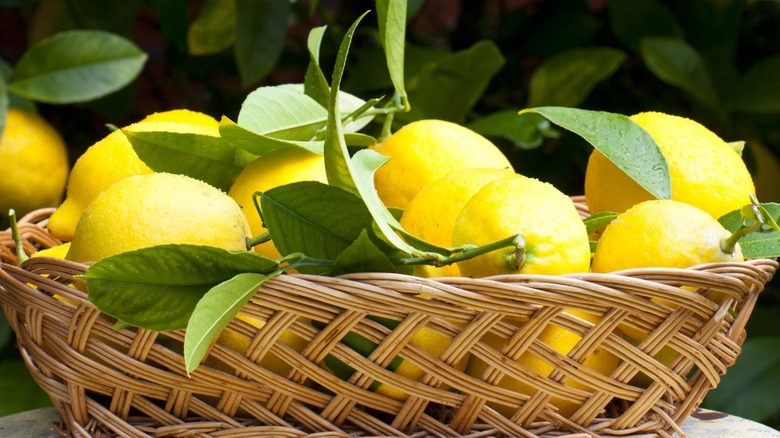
(131, 382)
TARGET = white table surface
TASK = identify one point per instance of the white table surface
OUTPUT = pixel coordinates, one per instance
(702, 424)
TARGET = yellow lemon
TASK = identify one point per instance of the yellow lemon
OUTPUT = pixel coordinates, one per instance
(280, 167)
(270, 362)
(705, 171)
(431, 342)
(661, 233)
(57, 252)
(425, 150)
(432, 212)
(112, 159)
(154, 209)
(556, 241)
(33, 163)
(562, 341)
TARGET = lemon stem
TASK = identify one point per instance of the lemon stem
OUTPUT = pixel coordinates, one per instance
(516, 259)
(753, 212)
(257, 240)
(465, 252)
(20, 254)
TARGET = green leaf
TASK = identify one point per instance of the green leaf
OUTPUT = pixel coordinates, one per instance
(365, 163)
(174, 21)
(449, 87)
(598, 221)
(758, 244)
(622, 141)
(567, 78)
(677, 63)
(525, 132)
(632, 21)
(751, 389)
(3, 98)
(259, 144)
(204, 157)
(362, 256)
(312, 218)
(214, 311)
(392, 34)
(261, 30)
(157, 288)
(337, 162)
(758, 91)
(114, 17)
(214, 28)
(285, 112)
(18, 390)
(76, 66)
(314, 84)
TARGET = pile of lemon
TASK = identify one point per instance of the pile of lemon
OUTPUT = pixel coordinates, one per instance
(454, 186)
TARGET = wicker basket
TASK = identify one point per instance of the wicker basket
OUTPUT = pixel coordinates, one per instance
(130, 382)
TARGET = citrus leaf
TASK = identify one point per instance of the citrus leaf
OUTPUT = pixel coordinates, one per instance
(525, 132)
(285, 112)
(157, 288)
(214, 311)
(392, 34)
(214, 29)
(204, 157)
(449, 87)
(567, 78)
(758, 91)
(259, 144)
(598, 221)
(751, 389)
(337, 162)
(366, 162)
(173, 16)
(3, 103)
(314, 83)
(261, 30)
(631, 21)
(678, 63)
(756, 244)
(312, 218)
(629, 146)
(76, 66)
(362, 255)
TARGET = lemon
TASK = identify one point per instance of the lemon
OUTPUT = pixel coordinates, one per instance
(154, 209)
(432, 212)
(57, 252)
(426, 150)
(431, 342)
(556, 241)
(562, 341)
(112, 159)
(704, 170)
(280, 167)
(270, 362)
(33, 163)
(661, 233)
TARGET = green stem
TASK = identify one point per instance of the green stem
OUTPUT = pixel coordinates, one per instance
(729, 244)
(467, 252)
(257, 240)
(20, 254)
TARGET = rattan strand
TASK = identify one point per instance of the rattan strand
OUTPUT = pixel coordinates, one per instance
(132, 382)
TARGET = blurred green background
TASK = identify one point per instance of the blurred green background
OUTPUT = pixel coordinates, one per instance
(471, 62)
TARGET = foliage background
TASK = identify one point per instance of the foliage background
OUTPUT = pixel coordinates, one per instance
(474, 63)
